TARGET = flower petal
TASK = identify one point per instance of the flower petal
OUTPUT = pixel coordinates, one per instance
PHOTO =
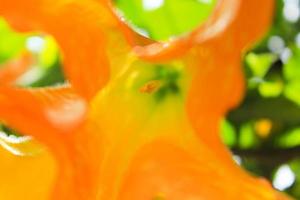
(56, 117)
(217, 87)
(78, 27)
(218, 83)
(27, 169)
(162, 170)
(41, 111)
(222, 25)
(13, 69)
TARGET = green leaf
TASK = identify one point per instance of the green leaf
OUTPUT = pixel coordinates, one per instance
(290, 139)
(292, 91)
(11, 43)
(228, 133)
(291, 69)
(259, 64)
(270, 89)
(247, 138)
(162, 19)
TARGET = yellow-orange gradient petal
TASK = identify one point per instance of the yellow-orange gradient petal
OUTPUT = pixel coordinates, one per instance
(165, 171)
(55, 117)
(27, 169)
(122, 149)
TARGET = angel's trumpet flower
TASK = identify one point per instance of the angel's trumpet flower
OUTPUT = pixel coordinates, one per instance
(140, 119)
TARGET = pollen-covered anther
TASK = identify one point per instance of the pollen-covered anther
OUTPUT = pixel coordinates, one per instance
(151, 86)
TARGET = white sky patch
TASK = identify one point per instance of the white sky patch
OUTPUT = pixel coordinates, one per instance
(205, 1)
(291, 10)
(35, 44)
(276, 44)
(297, 40)
(285, 55)
(237, 159)
(152, 4)
(284, 178)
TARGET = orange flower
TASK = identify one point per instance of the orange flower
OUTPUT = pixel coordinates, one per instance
(109, 136)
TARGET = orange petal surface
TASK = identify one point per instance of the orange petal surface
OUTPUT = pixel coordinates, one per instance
(121, 149)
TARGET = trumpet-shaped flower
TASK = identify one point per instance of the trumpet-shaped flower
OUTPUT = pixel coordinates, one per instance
(139, 119)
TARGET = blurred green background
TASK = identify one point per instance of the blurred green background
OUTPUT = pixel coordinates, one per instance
(264, 132)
